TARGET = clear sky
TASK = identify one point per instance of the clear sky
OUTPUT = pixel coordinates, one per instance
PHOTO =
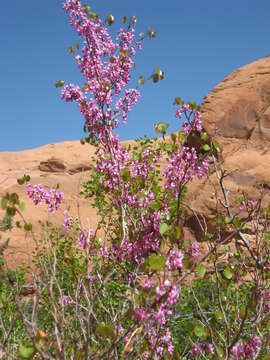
(198, 43)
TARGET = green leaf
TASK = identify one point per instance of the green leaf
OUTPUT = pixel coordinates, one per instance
(228, 219)
(173, 137)
(216, 146)
(236, 222)
(84, 87)
(110, 19)
(220, 352)
(22, 206)
(134, 20)
(192, 105)
(187, 263)
(14, 198)
(178, 233)
(267, 235)
(157, 262)
(200, 332)
(40, 343)
(228, 273)
(155, 205)
(26, 352)
(11, 210)
(239, 199)
(155, 78)
(27, 227)
(124, 19)
(163, 228)
(242, 311)
(86, 8)
(168, 147)
(141, 80)
(177, 101)
(151, 33)
(92, 15)
(141, 34)
(71, 49)
(206, 147)
(105, 330)
(203, 135)
(182, 136)
(3, 203)
(161, 127)
(201, 270)
(59, 83)
(21, 181)
(77, 45)
(218, 314)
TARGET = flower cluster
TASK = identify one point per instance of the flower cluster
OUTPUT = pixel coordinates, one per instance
(200, 348)
(52, 197)
(85, 237)
(174, 259)
(66, 300)
(193, 119)
(106, 66)
(68, 219)
(186, 163)
(247, 350)
(193, 251)
(183, 167)
(166, 296)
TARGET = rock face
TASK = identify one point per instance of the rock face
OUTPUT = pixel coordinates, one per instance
(237, 112)
(239, 107)
(62, 163)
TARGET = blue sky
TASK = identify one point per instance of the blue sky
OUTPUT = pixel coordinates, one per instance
(198, 43)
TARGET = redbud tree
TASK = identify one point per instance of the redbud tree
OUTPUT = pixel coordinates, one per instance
(141, 205)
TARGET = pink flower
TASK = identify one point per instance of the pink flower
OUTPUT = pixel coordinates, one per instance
(66, 300)
(174, 259)
(194, 251)
(67, 220)
(52, 197)
(199, 348)
(247, 350)
(140, 314)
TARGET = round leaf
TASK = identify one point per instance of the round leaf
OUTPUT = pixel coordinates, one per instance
(228, 273)
(200, 331)
(157, 262)
(105, 330)
(26, 352)
(163, 228)
(59, 83)
(201, 270)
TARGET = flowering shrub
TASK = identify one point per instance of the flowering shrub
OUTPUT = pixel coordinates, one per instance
(135, 287)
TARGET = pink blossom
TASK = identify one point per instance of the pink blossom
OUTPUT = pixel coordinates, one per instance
(52, 197)
(67, 220)
(247, 350)
(174, 259)
(66, 300)
(140, 314)
(194, 251)
(199, 348)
